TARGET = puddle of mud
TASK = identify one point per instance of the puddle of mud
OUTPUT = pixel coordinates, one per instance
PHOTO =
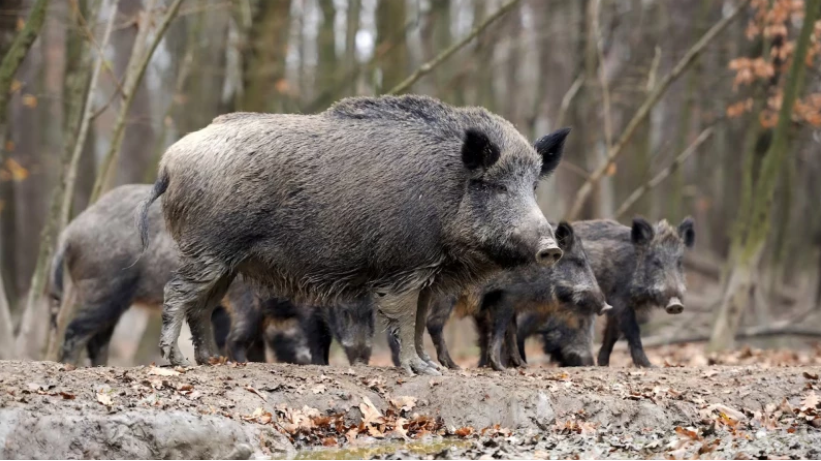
(420, 448)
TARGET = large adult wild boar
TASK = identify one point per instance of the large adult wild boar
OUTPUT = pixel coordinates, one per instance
(391, 197)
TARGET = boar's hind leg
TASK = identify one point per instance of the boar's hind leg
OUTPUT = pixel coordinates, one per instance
(193, 292)
(98, 347)
(400, 310)
(436, 324)
(92, 320)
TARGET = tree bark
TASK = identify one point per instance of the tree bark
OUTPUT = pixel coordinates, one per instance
(755, 229)
(8, 68)
(264, 61)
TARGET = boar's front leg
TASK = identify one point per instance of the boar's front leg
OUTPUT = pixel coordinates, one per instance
(611, 335)
(400, 310)
(630, 328)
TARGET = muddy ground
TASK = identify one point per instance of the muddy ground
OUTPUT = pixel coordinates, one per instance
(49, 410)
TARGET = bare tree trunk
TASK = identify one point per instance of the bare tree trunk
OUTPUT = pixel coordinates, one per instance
(8, 67)
(391, 17)
(264, 61)
(70, 161)
(756, 228)
(8, 232)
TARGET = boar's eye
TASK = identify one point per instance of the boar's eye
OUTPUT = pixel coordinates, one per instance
(498, 187)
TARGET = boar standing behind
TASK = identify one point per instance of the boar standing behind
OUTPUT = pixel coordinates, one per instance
(97, 252)
(394, 198)
(638, 268)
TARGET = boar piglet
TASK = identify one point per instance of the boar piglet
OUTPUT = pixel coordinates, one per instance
(567, 340)
(351, 324)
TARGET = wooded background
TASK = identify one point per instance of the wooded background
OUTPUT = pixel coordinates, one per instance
(678, 107)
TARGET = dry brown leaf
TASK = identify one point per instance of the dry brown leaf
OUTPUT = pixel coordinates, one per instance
(159, 371)
(809, 375)
(67, 396)
(370, 414)
(404, 403)
(464, 431)
(810, 402)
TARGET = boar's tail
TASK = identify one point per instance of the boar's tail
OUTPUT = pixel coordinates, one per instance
(56, 284)
(159, 188)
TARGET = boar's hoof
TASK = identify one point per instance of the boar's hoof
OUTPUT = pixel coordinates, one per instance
(173, 354)
(418, 366)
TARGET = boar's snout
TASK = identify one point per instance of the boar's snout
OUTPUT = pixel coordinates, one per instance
(548, 253)
(674, 306)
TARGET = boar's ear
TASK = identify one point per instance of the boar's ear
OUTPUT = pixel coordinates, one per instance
(642, 232)
(565, 236)
(687, 232)
(551, 147)
(478, 150)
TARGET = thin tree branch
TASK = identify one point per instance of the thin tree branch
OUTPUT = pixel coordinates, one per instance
(644, 111)
(429, 66)
(101, 53)
(608, 121)
(663, 174)
(136, 69)
(566, 100)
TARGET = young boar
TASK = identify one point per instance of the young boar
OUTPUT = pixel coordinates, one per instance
(568, 291)
(394, 198)
(638, 268)
(352, 324)
(568, 341)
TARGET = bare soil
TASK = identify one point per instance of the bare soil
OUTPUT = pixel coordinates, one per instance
(48, 410)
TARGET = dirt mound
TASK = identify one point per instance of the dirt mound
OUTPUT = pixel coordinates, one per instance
(271, 410)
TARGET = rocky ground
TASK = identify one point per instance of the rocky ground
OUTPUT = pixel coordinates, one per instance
(231, 411)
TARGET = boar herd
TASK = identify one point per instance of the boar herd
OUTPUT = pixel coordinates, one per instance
(285, 232)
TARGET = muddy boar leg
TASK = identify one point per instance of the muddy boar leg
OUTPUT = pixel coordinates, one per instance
(500, 318)
(611, 335)
(400, 310)
(192, 293)
(422, 310)
(91, 321)
(98, 347)
(435, 327)
(512, 345)
(630, 328)
(393, 343)
(437, 319)
(319, 338)
(483, 334)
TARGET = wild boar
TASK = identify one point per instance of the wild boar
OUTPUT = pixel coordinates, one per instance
(394, 198)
